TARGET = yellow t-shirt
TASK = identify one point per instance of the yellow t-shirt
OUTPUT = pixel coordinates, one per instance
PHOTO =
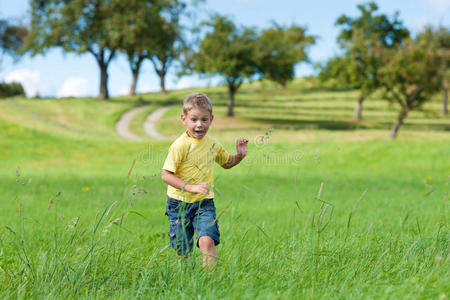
(192, 160)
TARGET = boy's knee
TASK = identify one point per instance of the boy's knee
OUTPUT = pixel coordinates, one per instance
(206, 242)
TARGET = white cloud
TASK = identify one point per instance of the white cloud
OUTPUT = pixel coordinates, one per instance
(149, 87)
(29, 79)
(74, 87)
(124, 91)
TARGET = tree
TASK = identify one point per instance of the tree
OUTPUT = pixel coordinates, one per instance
(336, 73)
(279, 49)
(155, 34)
(227, 51)
(169, 42)
(442, 38)
(11, 89)
(80, 26)
(411, 75)
(365, 40)
(11, 39)
(140, 36)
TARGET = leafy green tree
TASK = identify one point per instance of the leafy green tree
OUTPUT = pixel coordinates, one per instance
(154, 33)
(80, 26)
(228, 51)
(11, 39)
(279, 49)
(336, 73)
(365, 39)
(11, 89)
(168, 43)
(412, 74)
(442, 38)
(140, 36)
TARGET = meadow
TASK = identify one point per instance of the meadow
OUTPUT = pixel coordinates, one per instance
(323, 207)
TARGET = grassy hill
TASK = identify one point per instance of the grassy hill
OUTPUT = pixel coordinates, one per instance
(82, 209)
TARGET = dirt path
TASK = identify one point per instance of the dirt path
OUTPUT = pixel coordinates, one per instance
(152, 119)
(124, 123)
(149, 125)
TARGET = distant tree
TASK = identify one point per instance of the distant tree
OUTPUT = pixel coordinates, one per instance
(228, 51)
(442, 38)
(365, 40)
(11, 39)
(336, 73)
(279, 49)
(11, 89)
(169, 43)
(141, 35)
(411, 75)
(154, 33)
(80, 26)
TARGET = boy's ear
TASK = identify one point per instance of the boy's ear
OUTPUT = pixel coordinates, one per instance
(212, 118)
(183, 118)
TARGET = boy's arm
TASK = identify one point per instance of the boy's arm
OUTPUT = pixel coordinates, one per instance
(173, 180)
(234, 159)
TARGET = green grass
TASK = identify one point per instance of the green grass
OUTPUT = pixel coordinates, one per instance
(73, 224)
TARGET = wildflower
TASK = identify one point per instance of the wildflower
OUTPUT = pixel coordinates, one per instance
(85, 188)
(427, 179)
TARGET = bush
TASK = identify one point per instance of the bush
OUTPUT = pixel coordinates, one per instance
(11, 89)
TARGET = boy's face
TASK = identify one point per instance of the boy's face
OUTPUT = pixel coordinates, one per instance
(197, 122)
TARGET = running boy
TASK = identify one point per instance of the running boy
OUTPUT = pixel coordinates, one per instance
(188, 171)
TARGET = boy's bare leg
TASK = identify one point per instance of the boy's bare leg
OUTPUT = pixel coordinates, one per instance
(208, 249)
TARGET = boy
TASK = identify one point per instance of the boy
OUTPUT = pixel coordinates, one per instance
(188, 172)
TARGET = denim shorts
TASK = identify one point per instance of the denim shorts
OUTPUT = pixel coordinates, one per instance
(185, 219)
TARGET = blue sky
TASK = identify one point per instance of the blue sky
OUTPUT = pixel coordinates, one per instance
(59, 74)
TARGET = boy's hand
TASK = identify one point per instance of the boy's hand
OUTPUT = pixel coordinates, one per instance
(241, 147)
(201, 188)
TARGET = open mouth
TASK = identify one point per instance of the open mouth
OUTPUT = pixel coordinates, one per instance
(199, 132)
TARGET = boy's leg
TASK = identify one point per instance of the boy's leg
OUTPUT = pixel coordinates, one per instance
(207, 231)
(181, 231)
(208, 249)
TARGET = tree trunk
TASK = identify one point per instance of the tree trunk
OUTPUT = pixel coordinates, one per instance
(358, 109)
(162, 83)
(135, 73)
(103, 82)
(398, 123)
(231, 91)
(445, 102)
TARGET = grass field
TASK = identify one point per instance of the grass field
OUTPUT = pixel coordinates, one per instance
(79, 219)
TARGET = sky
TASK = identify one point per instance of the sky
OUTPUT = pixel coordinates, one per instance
(58, 74)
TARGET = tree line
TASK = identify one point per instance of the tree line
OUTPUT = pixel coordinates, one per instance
(153, 30)
(378, 53)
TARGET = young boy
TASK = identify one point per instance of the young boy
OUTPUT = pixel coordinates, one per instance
(188, 171)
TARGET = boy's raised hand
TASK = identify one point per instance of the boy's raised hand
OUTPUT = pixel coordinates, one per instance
(241, 147)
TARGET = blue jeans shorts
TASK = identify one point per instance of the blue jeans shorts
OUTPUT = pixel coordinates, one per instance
(185, 219)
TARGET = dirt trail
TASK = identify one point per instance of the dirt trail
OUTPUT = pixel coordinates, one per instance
(124, 123)
(152, 119)
(122, 126)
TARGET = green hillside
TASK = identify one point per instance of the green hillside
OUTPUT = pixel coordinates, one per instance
(82, 209)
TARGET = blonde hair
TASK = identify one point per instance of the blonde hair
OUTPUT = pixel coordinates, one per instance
(196, 100)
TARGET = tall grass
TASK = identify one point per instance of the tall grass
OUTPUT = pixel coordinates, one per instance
(355, 238)
(328, 218)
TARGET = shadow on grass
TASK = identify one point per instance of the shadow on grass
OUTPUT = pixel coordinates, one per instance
(343, 125)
